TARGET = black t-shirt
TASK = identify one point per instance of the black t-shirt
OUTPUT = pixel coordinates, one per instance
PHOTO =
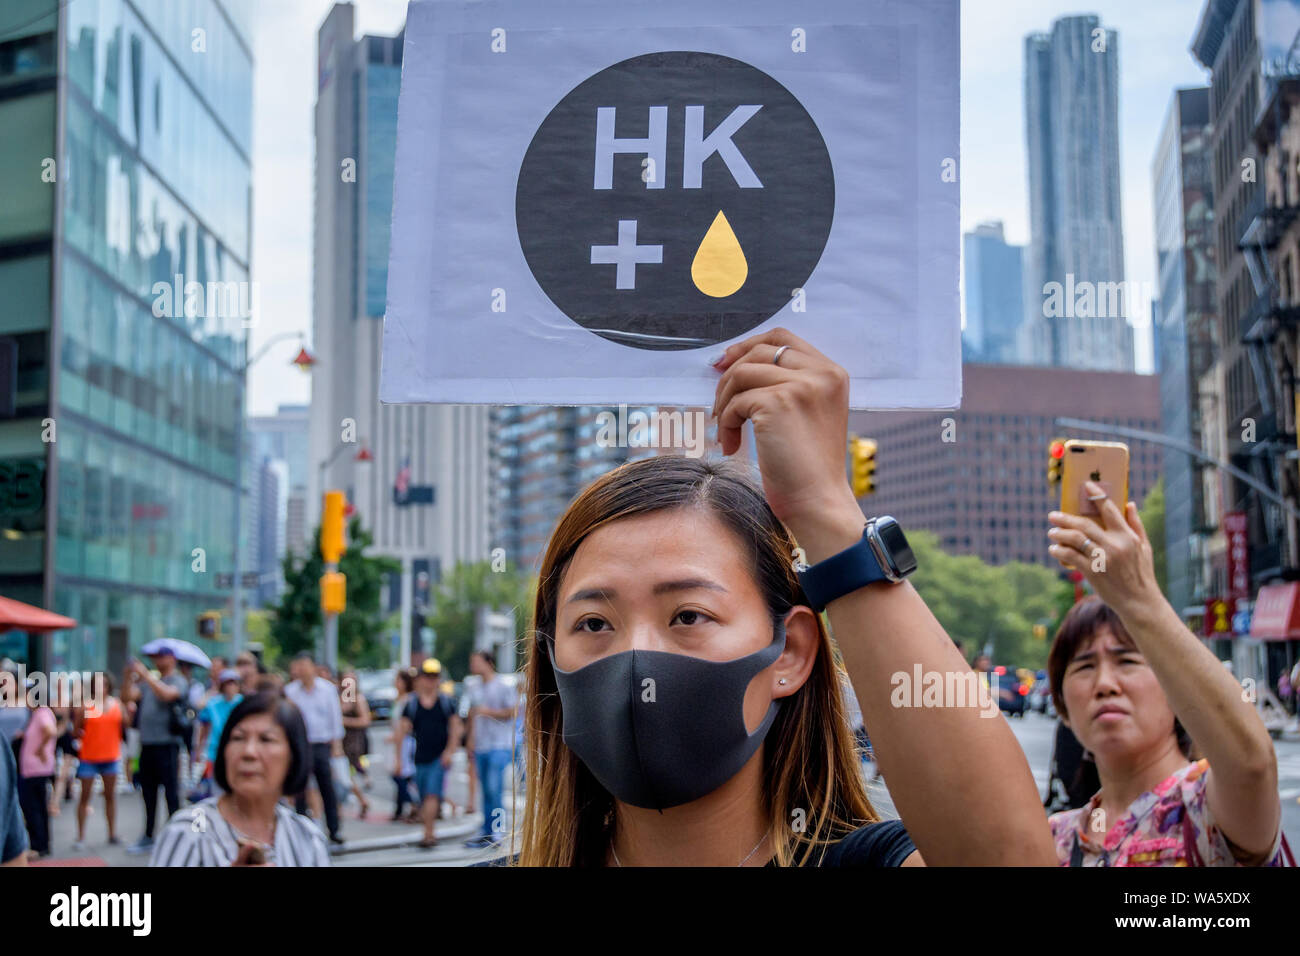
(877, 844)
(431, 726)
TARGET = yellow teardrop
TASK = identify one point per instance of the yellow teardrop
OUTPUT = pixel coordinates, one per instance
(719, 267)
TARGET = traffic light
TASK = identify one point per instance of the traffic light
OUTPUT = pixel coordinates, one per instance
(332, 544)
(1055, 460)
(863, 457)
(333, 593)
(209, 625)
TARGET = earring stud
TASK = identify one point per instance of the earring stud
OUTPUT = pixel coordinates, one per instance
(781, 681)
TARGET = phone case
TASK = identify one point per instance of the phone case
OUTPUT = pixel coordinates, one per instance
(1104, 462)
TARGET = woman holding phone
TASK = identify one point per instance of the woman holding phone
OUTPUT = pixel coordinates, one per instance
(683, 698)
(263, 755)
(1137, 688)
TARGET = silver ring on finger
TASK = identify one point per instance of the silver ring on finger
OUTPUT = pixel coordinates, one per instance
(1088, 545)
(776, 359)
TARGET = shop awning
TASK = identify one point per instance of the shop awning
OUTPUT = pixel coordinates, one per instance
(17, 616)
(1276, 611)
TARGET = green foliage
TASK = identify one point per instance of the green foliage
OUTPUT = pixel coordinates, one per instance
(980, 604)
(455, 598)
(297, 623)
(1152, 513)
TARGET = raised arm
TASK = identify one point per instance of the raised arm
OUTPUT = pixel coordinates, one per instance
(1114, 554)
(960, 781)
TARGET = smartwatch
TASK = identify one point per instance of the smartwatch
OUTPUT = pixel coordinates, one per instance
(882, 554)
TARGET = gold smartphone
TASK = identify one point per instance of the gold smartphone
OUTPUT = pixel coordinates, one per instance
(1105, 462)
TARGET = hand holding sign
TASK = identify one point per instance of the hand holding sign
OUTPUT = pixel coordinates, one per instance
(799, 407)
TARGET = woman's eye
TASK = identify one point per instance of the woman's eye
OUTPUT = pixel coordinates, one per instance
(1130, 660)
(689, 618)
(582, 625)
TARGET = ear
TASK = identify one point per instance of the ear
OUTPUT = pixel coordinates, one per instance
(796, 661)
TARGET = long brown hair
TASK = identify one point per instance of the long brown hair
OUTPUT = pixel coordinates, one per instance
(813, 788)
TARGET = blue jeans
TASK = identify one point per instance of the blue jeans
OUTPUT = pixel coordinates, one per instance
(491, 767)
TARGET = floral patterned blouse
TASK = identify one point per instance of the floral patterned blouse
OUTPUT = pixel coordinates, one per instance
(1170, 825)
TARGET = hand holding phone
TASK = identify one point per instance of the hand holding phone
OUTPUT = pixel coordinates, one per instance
(1103, 462)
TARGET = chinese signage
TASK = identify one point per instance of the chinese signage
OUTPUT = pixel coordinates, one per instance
(1234, 527)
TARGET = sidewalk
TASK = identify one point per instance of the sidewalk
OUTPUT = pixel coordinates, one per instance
(374, 833)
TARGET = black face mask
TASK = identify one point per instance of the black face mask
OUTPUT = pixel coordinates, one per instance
(659, 730)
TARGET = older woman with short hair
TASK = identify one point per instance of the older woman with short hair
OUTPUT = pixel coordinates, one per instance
(262, 756)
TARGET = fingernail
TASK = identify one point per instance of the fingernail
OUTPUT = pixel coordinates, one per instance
(717, 359)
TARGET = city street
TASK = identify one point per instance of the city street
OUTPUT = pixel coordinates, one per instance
(377, 842)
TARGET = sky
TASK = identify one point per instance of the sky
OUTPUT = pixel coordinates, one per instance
(1154, 37)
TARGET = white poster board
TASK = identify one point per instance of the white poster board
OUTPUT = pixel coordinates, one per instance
(592, 200)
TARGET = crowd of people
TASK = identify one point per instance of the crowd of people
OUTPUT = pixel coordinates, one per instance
(270, 760)
(684, 703)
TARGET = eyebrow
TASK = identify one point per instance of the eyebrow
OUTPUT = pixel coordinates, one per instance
(663, 587)
(1120, 651)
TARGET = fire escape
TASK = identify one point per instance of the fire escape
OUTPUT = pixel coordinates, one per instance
(1270, 326)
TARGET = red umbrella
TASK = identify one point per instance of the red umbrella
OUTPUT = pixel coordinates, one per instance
(17, 616)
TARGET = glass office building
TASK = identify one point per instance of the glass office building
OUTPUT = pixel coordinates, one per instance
(127, 173)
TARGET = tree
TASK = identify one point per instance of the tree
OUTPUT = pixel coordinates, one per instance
(298, 620)
(460, 593)
(1152, 513)
(980, 604)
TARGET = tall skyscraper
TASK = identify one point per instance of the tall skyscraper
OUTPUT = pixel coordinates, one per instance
(1076, 301)
(283, 437)
(276, 449)
(124, 273)
(1185, 336)
(421, 485)
(994, 296)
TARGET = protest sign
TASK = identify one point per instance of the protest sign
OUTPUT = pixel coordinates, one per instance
(591, 199)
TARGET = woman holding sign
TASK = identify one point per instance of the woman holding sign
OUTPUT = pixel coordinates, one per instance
(683, 693)
(1133, 682)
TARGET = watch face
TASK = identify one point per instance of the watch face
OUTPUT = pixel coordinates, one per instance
(896, 546)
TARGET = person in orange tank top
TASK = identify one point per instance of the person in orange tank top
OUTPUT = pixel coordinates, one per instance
(101, 732)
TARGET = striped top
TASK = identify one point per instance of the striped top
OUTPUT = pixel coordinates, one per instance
(199, 835)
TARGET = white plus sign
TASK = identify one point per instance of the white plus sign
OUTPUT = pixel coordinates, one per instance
(626, 255)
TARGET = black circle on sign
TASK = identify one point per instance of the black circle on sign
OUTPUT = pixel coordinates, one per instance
(781, 227)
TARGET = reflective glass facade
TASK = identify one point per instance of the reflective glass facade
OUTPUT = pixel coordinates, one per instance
(126, 449)
(382, 83)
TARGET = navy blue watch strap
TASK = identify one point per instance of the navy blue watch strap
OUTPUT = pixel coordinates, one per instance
(854, 567)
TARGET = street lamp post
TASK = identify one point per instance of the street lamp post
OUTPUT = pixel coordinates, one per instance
(237, 589)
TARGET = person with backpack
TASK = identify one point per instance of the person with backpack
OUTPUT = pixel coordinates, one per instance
(431, 717)
(162, 733)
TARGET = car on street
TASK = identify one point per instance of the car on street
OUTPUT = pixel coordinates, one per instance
(377, 687)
